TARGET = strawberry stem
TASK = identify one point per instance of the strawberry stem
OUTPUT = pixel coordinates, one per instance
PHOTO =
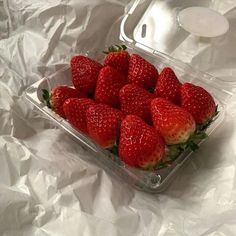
(47, 98)
(115, 48)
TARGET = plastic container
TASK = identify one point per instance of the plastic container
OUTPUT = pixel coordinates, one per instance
(159, 24)
(149, 181)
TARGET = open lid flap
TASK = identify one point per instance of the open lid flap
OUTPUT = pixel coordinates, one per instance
(153, 26)
(154, 23)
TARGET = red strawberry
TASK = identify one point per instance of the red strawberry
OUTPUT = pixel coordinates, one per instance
(198, 102)
(84, 73)
(168, 86)
(117, 58)
(140, 145)
(174, 123)
(109, 83)
(136, 101)
(58, 96)
(75, 111)
(103, 124)
(141, 72)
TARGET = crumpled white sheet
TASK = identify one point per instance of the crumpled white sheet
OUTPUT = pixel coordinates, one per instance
(47, 190)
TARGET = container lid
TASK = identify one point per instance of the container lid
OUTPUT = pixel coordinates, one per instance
(159, 26)
(162, 25)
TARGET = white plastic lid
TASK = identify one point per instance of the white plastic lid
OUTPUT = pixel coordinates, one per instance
(202, 21)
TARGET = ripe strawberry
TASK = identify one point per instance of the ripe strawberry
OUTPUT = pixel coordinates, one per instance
(140, 145)
(168, 86)
(58, 96)
(174, 123)
(84, 73)
(103, 123)
(141, 72)
(75, 111)
(109, 83)
(198, 102)
(135, 100)
(117, 58)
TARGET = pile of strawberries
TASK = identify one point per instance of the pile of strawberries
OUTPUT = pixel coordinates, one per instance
(127, 106)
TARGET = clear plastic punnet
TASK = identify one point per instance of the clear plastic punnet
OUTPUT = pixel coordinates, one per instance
(149, 181)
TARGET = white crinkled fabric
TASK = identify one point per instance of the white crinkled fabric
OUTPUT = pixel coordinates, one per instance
(47, 188)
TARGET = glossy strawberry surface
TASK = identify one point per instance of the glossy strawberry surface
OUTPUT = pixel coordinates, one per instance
(103, 123)
(174, 123)
(75, 112)
(197, 101)
(140, 145)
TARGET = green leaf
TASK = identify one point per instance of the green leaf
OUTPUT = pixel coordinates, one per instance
(193, 146)
(47, 98)
(115, 156)
(115, 48)
(199, 135)
(123, 47)
(173, 151)
(164, 164)
(114, 150)
(45, 94)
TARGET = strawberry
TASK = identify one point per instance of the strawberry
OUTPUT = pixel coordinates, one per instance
(141, 72)
(197, 101)
(168, 86)
(57, 97)
(109, 83)
(103, 123)
(75, 111)
(84, 73)
(135, 100)
(117, 58)
(140, 145)
(174, 123)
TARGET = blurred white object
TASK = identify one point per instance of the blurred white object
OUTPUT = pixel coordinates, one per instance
(202, 21)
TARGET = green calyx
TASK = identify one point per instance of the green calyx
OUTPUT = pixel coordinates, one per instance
(173, 151)
(115, 48)
(114, 150)
(47, 98)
